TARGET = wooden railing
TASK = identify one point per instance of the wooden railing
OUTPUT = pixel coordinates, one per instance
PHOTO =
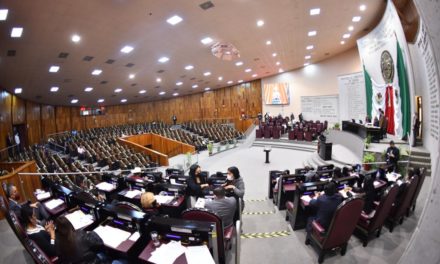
(26, 184)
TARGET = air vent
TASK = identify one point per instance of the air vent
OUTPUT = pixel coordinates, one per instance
(183, 76)
(129, 65)
(200, 80)
(267, 72)
(38, 97)
(206, 5)
(193, 78)
(67, 80)
(113, 95)
(206, 82)
(70, 96)
(262, 67)
(133, 84)
(160, 71)
(109, 61)
(157, 87)
(175, 89)
(63, 55)
(103, 82)
(256, 59)
(135, 96)
(88, 58)
(11, 53)
(326, 54)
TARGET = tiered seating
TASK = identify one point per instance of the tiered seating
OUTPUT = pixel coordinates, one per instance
(273, 127)
(307, 130)
(217, 132)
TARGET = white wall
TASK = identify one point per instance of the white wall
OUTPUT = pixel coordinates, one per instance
(315, 79)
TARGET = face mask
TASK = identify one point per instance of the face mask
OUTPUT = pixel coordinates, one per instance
(230, 178)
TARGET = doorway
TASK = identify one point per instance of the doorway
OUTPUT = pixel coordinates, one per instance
(419, 112)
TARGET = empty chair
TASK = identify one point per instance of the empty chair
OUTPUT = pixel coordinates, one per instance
(412, 205)
(369, 225)
(291, 135)
(300, 135)
(308, 136)
(340, 230)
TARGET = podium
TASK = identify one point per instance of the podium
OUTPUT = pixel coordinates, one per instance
(267, 150)
(324, 149)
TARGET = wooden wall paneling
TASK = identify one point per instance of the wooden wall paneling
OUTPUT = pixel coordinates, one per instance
(5, 117)
(18, 110)
(48, 124)
(33, 122)
(78, 122)
(63, 118)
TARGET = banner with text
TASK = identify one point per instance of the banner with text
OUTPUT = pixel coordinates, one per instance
(324, 107)
(352, 97)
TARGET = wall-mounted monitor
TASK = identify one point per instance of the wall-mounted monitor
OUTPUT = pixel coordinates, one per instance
(90, 111)
(276, 94)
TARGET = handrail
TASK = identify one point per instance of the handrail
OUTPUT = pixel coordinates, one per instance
(3, 149)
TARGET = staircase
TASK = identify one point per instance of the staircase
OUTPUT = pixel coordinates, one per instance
(420, 159)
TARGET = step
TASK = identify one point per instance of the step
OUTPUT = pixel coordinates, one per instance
(285, 147)
(427, 171)
(420, 159)
(282, 140)
(420, 153)
(420, 164)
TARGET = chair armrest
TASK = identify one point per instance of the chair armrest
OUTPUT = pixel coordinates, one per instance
(317, 227)
(228, 232)
(364, 216)
(376, 204)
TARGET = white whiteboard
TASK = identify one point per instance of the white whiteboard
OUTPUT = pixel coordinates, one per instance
(352, 98)
(324, 107)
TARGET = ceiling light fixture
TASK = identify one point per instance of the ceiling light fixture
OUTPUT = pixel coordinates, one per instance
(162, 93)
(248, 70)
(123, 100)
(96, 72)
(195, 86)
(88, 89)
(306, 64)
(75, 38)
(175, 94)
(268, 42)
(280, 70)
(260, 23)
(307, 57)
(274, 54)
(158, 80)
(142, 91)
(179, 83)
(362, 7)
(127, 49)
(16, 32)
(163, 59)
(207, 73)
(238, 63)
(3, 14)
(278, 63)
(356, 19)
(309, 47)
(206, 41)
(240, 81)
(74, 101)
(220, 78)
(350, 28)
(131, 76)
(18, 90)
(207, 88)
(174, 20)
(118, 90)
(54, 89)
(342, 42)
(100, 100)
(54, 68)
(254, 75)
(346, 36)
(315, 11)
(230, 82)
(189, 67)
(312, 33)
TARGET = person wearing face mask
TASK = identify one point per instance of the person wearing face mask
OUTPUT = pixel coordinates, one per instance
(13, 196)
(235, 184)
(197, 184)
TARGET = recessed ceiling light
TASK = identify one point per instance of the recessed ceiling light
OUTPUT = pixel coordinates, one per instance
(342, 42)
(101, 100)
(260, 23)
(238, 63)
(163, 59)
(362, 7)
(207, 73)
(195, 86)
(123, 100)
(88, 89)
(142, 91)
(315, 11)
(307, 57)
(179, 83)
(356, 19)
(158, 80)
(240, 81)
(18, 90)
(96, 72)
(280, 70)
(16, 32)
(254, 75)
(220, 78)
(174, 20)
(175, 94)
(206, 40)
(189, 67)
(274, 54)
(346, 36)
(278, 63)
(54, 68)
(268, 42)
(54, 89)
(350, 28)
(162, 93)
(74, 101)
(248, 70)
(131, 76)
(75, 38)
(207, 88)
(3, 14)
(118, 90)
(127, 49)
(312, 33)
(230, 82)
(309, 47)
(306, 64)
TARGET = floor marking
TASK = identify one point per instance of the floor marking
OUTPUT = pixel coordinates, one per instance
(266, 234)
(255, 200)
(258, 213)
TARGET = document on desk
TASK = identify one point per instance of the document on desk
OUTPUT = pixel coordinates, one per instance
(198, 254)
(136, 235)
(393, 176)
(53, 203)
(105, 186)
(133, 193)
(200, 203)
(79, 220)
(163, 199)
(43, 195)
(306, 198)
(167, 253)
(343, 193)
(112, 236)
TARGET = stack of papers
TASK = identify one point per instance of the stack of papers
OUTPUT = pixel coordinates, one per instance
(112, 236)
(53, 203)
(306, 198)
(199, 254)
(392, 176)
(133, 193)
(136, 235)
(79, 220)
(168, 253)
(163, 199)
(200, 203)
(105, 186)
(43, 195)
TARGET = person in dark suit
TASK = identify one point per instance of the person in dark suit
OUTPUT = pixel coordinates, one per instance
(392, 156)
(325, 206)
(370, 193)
(197, 184)
(367, 119)
(44, 237)
(14, 196)
(174, 119)
(376, 122)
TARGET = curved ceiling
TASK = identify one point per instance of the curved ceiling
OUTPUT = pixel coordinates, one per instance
(106, 26)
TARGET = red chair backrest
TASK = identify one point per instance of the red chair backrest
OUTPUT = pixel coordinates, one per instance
(384, 207)
(407, 196)
(201, 214)
(343, 223)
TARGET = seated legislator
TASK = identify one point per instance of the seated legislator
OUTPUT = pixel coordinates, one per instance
(370, 193)
(325, 206)
(278, 179)
(311, 175)
(235, 184)
(44, 237)
(337, 173)
(14, 196)
(79, 247)
(346, 171)
(222, 206)
(196, 183)
(149, 203)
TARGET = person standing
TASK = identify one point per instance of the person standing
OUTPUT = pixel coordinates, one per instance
(235, 184)
(197, 184)
(10, 144)
(17, 142)
(174, 119)
(393, 156)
